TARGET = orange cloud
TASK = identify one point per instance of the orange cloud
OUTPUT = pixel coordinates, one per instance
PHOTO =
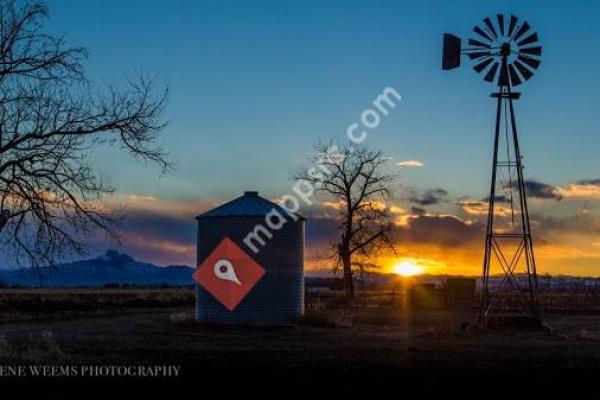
(168, 246)
(179, 209)
(397, 210)
(580, 190)
(336, 205)
(481, 208)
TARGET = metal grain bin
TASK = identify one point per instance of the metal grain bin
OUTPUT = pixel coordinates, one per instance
(278, 296)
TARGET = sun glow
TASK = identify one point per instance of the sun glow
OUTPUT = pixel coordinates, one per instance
(407, 268)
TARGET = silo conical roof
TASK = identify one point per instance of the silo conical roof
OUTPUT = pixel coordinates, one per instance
(250, 204)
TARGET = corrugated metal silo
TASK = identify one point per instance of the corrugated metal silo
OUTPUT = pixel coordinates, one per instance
(277, 298)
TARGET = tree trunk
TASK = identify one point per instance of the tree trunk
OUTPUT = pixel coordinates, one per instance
(348, 281)
(4, 215)
(346, 254)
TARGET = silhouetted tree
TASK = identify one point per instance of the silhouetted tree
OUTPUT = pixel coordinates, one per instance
(50, 119)
(356, 181)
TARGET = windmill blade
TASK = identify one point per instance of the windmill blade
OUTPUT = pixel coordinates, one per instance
(488, 23)
(534, 51)
(529, 40)
(532, 62)
(504, 49)
(477, 43)
(501, 23)
(523, 70)
(481, 33)
(514, 77)
(479, 54)
(482, 65)
(492, 72)
(522, 30)
(512, 24)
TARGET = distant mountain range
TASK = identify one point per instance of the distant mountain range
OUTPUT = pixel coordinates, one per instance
(118, 269)
(112, 268)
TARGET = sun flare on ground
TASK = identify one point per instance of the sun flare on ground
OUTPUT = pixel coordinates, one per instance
(407, 268)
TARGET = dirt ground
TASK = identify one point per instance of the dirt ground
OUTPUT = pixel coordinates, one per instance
(384, 345)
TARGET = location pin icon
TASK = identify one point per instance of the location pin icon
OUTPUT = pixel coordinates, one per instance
(224, 270)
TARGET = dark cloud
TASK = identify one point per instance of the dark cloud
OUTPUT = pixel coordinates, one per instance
(534, 189)
(421, 229)
(582, 224)
(497, 199)
(320, 231)
(429, 198)
(593, 182)
(541, 190)
(440, 230)
(149, 236)
(160, 226)
(418, 210)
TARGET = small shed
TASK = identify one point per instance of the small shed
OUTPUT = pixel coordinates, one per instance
(461, 292)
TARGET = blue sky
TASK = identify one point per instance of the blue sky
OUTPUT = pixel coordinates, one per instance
(255, 84)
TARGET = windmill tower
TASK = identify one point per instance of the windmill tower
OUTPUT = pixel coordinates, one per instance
(507, 53)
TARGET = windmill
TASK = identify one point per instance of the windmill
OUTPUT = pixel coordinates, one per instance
(507, 53)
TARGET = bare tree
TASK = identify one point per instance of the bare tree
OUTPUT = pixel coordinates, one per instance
(50, 119)
(357, 183)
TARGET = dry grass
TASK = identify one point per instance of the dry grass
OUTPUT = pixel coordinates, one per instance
(182, 318)
(40, 347)
(325, 319)
(6, 350)
(24, 304)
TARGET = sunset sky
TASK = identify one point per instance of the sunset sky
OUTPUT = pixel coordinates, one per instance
(255, 84)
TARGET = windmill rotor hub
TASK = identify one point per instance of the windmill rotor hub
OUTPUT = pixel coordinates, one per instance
(505, 49)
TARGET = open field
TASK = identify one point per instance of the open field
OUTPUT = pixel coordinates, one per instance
(371, 343)
(55, 304)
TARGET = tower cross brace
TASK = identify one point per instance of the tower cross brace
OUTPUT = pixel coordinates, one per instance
(512, 247)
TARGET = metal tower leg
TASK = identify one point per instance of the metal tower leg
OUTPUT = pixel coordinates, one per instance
(508, 248)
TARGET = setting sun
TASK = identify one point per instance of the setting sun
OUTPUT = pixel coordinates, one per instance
(407, 268)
